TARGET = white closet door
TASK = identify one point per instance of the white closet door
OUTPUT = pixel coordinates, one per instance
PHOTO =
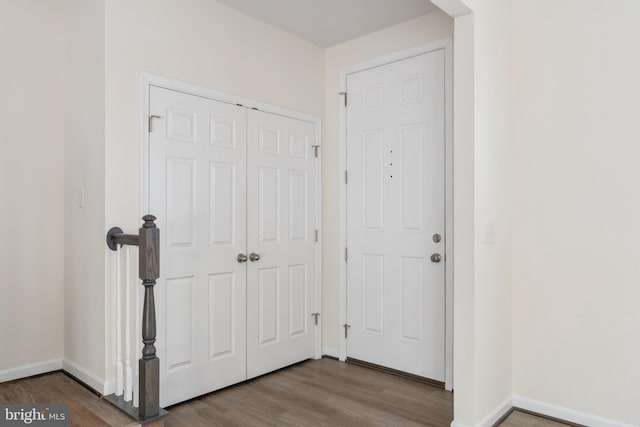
(281, 222)
(395, 205)
(197, 190)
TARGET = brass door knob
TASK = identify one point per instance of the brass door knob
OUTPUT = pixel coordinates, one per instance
(436, 258)
(253, 257)
(241, 258)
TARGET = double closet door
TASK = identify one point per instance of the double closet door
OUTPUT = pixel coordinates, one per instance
(234, 192)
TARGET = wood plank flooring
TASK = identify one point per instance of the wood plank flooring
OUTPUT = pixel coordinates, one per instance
(521, 419)
(85, 408)
(314, 393)
(320, 393)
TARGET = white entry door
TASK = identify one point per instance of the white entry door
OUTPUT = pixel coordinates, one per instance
(395, 207)
(224, 182)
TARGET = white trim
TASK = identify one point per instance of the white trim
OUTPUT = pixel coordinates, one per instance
(453, 8)
(394, 57)
(342, 316)
(89, 378)
(342, 194)
(330, 351)
(448, 241)
(148, 79)
(110, 387)
(491, 418)
(497, 413)
(446, 45)
(30, 370)
(318, 172)
(565, 414)
(144, 108)
(543, 408)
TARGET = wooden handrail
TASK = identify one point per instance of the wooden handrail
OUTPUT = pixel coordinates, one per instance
(148, 242)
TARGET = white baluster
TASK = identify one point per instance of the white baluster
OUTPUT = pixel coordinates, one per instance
(128, 390)
(138, 315)
(119, 370)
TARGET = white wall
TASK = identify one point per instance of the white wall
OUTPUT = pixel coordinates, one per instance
(427, 28)
(201, 42)
(482, 277)
(492, 172)
(31, 181)
(482, 176)
(84, 202)
(576, 205)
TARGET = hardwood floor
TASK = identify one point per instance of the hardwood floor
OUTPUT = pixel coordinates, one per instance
(320, 393)
(314, 393)
(85, 407)
(521, 419)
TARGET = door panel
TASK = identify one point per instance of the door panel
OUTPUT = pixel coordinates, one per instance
(222, 321)
(197, 186)
(281, 284)
(395, 203)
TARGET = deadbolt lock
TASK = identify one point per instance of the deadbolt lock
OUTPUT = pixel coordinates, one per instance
(437, 238)
(436, 258)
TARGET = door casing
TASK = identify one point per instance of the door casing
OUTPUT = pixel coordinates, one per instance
(446, 45)
(147, 80)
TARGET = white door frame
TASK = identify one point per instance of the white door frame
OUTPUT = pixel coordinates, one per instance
(147, 80)
(446, 45)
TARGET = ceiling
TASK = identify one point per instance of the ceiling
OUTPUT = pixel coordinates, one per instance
(329, 22)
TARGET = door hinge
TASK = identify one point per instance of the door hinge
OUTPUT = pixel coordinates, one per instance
(315, 150)
(345, 97)
(346, 177)
(346, 330)
(316, 235)
(346, 254)
(150, 124)
(315, 316)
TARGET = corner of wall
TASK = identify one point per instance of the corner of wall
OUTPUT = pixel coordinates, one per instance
(89, 378)
(84, 348)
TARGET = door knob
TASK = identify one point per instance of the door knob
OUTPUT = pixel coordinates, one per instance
(253, 257)
(436, 258)
(241, 258)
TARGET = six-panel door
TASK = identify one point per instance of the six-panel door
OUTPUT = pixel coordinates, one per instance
(281, 285)
(197, 190)
(395, 205)
(221, 321)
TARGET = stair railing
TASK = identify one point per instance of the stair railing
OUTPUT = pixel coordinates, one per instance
(146, 404)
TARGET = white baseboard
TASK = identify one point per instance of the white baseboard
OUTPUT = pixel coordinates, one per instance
(89, 378)
(30, 370)
(497, 413)
(110, 387)
(491, 418)
(328, 351)
(543, 408)
(566, 414)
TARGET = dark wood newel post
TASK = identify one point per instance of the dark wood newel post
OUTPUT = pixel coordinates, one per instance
(149, 364)
(148, 242)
